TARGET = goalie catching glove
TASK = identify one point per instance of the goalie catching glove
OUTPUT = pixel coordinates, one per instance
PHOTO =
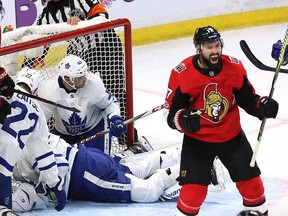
(116, 125)
(267, 107)
(187, 120)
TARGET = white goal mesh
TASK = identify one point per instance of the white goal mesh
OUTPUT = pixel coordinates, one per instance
(104, 45)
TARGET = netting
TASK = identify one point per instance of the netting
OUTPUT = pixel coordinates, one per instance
(101, 44)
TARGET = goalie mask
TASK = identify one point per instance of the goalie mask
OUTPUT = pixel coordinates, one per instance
(30, 77)
(73, 67)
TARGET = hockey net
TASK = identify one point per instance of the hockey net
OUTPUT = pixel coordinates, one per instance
(104, 44)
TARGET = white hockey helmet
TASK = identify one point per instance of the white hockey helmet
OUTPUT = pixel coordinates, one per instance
(30, 77)
(73, 67)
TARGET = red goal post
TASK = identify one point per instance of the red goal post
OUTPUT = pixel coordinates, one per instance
(98, 41)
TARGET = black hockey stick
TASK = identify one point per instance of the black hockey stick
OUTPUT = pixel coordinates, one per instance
(73, 109)
(277, 70)
(142, 115)
(249, 54)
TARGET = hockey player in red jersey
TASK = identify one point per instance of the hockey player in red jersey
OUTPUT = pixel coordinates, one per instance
(205, 92)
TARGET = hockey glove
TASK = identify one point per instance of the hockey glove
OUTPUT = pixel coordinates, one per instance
(60, 195)
(116, 125)
(276, 51)
(5, 109)
(187, 120)
(6, 84)
(267, 107)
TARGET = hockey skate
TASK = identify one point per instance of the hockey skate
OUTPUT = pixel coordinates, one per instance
(142, 145)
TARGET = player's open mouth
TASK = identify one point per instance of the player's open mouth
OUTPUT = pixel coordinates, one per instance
(214, 58)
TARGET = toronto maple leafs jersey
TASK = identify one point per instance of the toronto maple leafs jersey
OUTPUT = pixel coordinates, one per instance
(26, 127)
(95, 102)
(89, 173)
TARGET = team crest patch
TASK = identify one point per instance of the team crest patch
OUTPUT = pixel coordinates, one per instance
(234, 60)
(179, 68)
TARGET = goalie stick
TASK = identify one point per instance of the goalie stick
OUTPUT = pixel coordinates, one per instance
(279, 63)
(142, 115)
(73, 109)
(249, 54)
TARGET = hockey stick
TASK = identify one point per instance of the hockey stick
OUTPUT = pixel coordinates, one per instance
(73, 109)
(280, 61)
(142, 115)
(249, 54)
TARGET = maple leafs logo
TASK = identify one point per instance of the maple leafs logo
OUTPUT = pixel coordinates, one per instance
(75, 124)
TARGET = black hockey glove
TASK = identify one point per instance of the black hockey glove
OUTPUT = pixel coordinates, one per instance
(267, 107)
(5, 109)
(187, 120)
(6, 84)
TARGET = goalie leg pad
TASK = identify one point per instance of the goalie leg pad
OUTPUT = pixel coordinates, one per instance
(170, 157)
(217, 177)
(171, 193)
(151, 189)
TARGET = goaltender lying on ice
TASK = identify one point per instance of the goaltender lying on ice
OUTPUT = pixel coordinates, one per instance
(95, 176)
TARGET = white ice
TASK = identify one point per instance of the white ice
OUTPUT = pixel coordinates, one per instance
(152, 65)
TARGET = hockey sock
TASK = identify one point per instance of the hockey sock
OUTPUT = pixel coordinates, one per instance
(252, 192)
(191, 198)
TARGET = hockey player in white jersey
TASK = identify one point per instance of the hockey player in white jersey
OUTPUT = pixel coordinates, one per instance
(26, 128)
(95, 176)
(76, 86)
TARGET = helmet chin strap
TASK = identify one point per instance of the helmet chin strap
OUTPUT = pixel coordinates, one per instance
(72, 80)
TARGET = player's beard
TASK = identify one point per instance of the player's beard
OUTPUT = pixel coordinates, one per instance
(209, 64)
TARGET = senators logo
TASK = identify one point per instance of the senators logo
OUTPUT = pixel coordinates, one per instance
(215, 106)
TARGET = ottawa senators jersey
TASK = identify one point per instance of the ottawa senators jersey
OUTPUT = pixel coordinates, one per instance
(217, 94)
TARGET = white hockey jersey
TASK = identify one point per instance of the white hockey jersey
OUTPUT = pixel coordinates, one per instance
(64, 153)
(95, 102)
(26, 127)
